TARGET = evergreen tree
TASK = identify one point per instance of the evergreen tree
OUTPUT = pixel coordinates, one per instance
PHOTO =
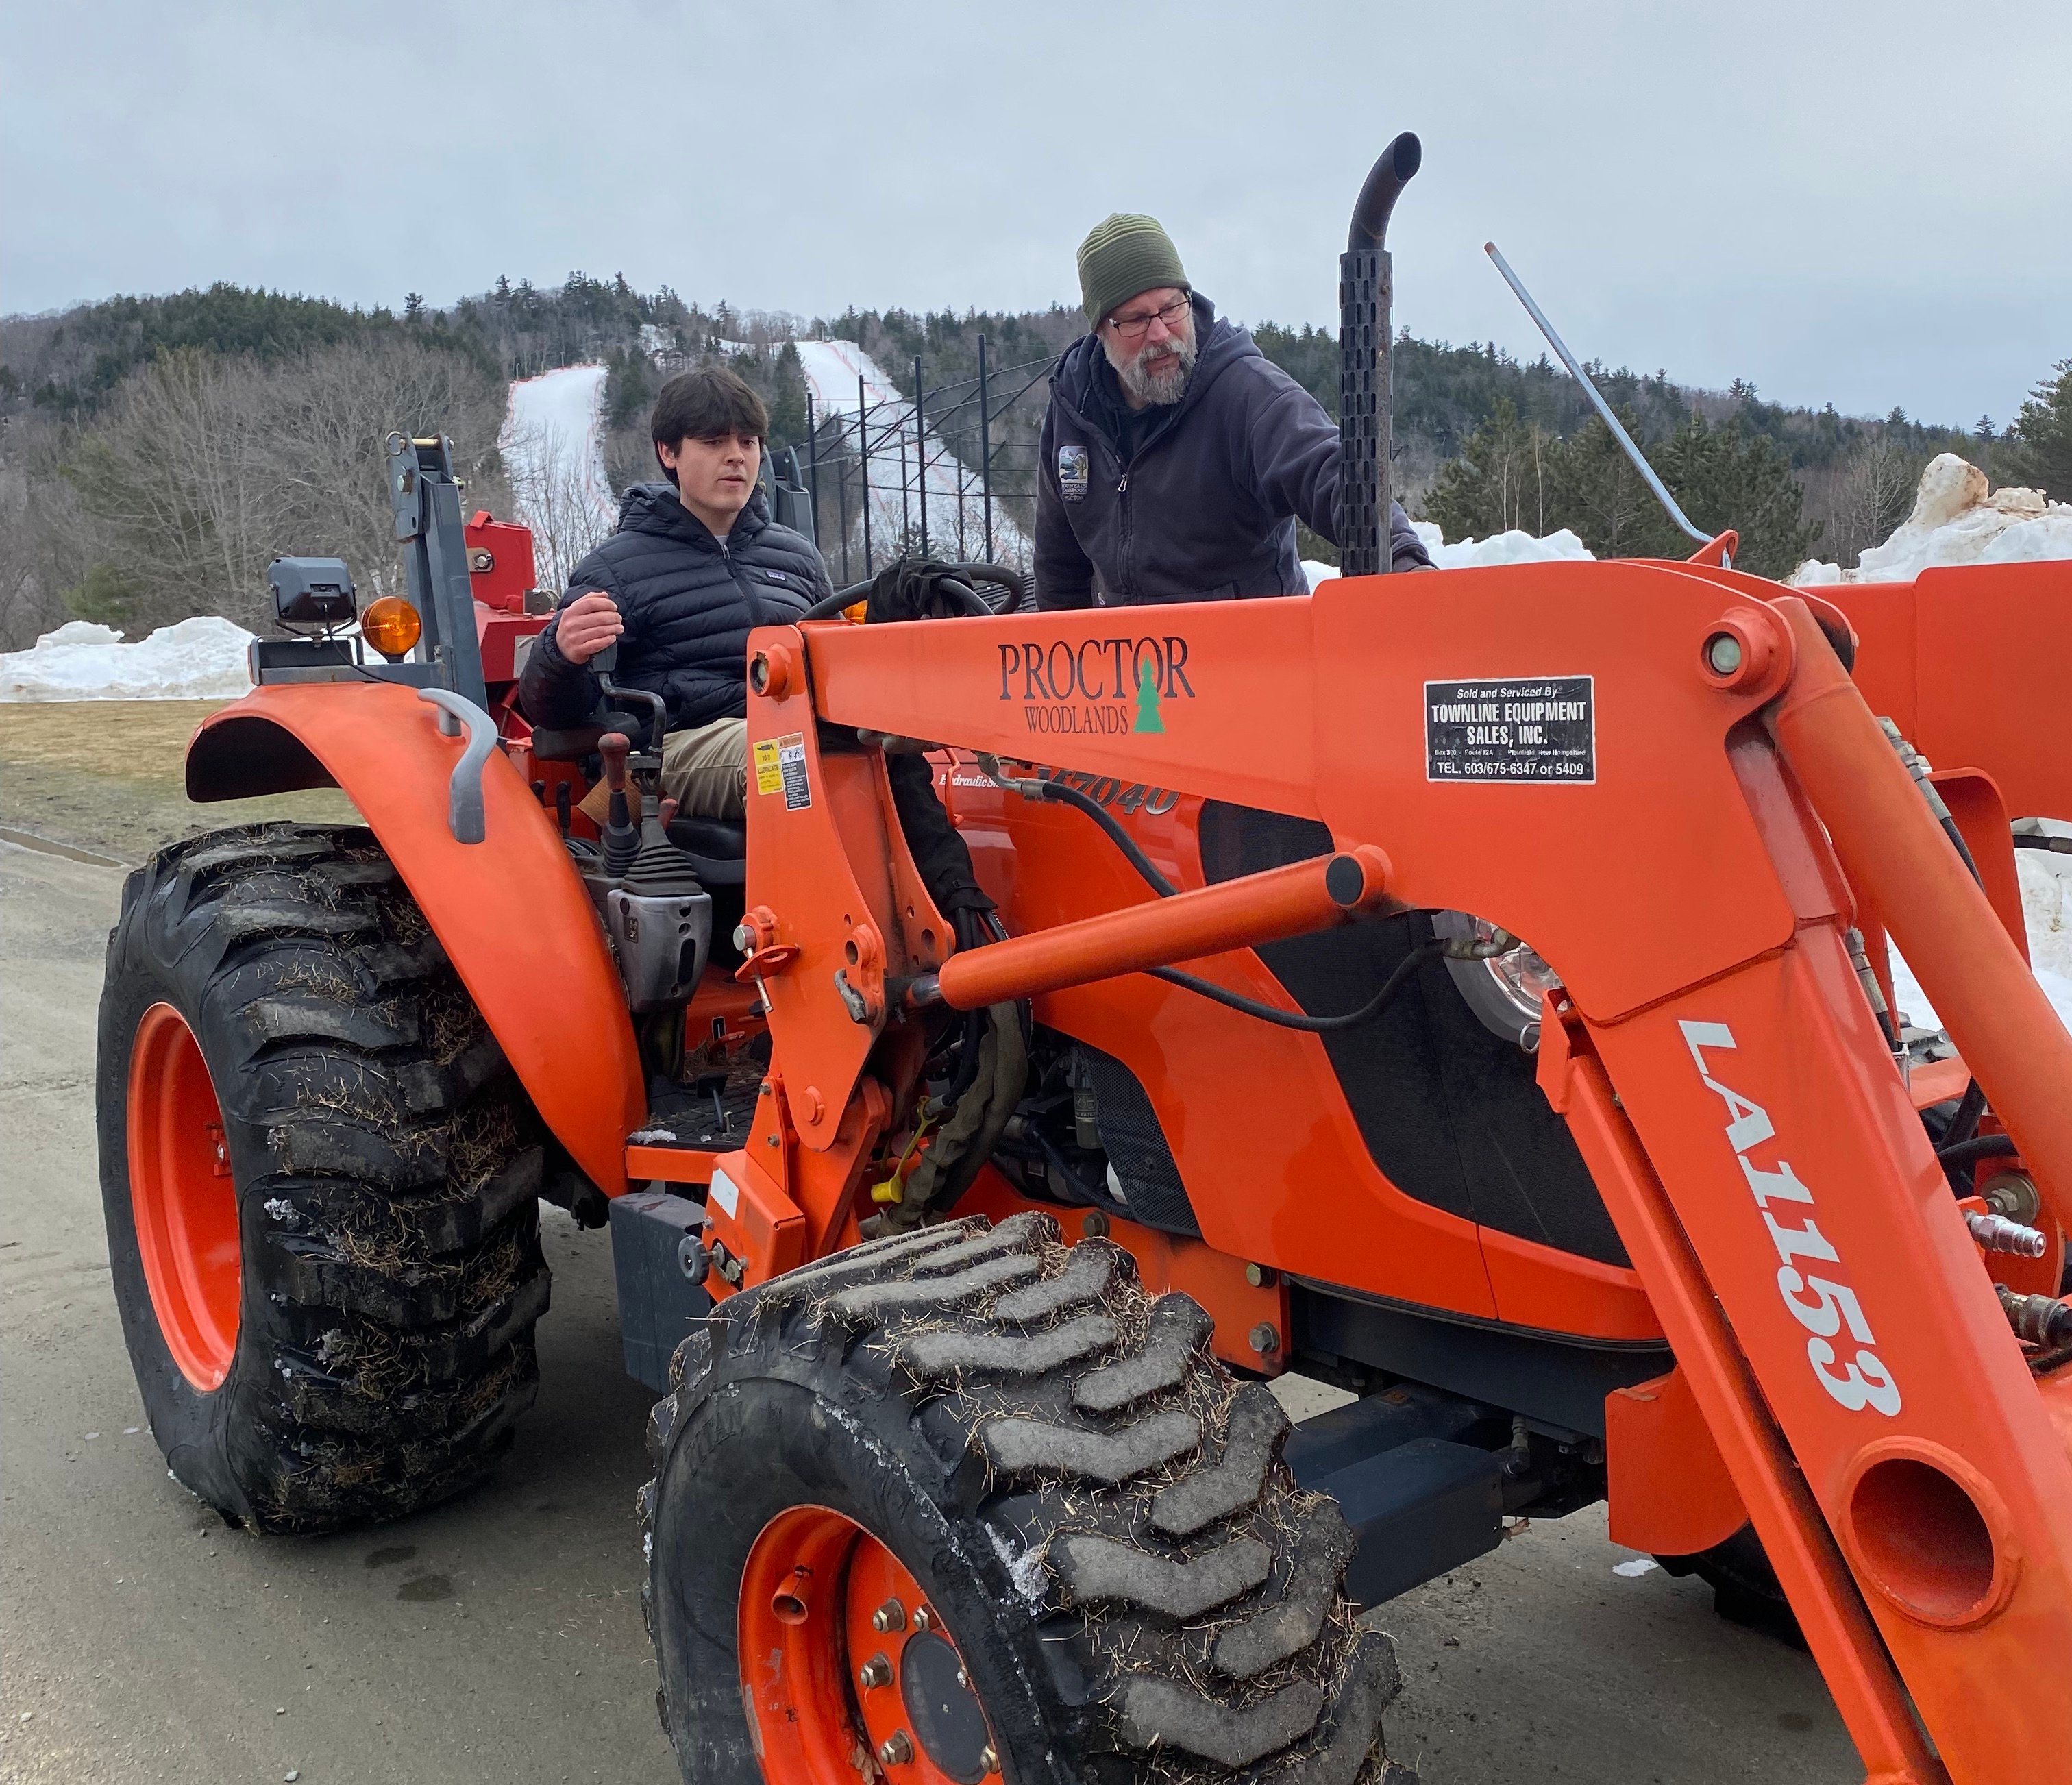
(1724, 479)
(631, 385)
(787, 404)
(106, 596)
(1500, 481)
(1600, 496)
(2037, 450)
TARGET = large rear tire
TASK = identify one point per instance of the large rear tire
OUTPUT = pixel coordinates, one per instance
(320, 1179)
(1122, 1581)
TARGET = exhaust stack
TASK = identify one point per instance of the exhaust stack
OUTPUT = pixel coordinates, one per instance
(1365, 301)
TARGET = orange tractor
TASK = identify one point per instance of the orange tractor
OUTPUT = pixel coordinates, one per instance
(1104, 1013)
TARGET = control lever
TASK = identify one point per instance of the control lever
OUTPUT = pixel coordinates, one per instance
(622, 840)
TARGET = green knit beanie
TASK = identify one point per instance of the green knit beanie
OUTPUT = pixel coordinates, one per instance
(1122, 256)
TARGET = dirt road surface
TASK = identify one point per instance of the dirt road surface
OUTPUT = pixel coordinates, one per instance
(499, 1639)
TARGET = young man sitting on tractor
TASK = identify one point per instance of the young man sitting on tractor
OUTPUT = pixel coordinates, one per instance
(696, 564)
(1176, 457)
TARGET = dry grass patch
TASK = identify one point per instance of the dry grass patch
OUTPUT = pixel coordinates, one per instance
(109, 776)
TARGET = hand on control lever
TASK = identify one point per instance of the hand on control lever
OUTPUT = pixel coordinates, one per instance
(587, 629)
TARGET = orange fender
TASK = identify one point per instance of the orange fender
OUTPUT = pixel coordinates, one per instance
(510, 911)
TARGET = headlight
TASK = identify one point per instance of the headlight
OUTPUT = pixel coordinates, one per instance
(1504, 991)
(311, 594)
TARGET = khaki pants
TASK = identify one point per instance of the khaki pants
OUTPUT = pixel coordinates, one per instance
(704, 770)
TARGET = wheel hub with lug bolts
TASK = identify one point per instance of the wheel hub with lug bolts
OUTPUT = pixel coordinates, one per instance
(914, 1710)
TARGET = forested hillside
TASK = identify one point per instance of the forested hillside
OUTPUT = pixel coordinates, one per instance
(155, 452)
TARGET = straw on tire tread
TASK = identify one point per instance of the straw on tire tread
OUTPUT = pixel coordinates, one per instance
(388, 1168)
(1100, 1624)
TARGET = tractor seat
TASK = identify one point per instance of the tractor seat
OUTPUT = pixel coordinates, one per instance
(718, 847)
(577, 742)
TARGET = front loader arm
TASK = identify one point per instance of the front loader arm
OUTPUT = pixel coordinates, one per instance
(1902, 1464)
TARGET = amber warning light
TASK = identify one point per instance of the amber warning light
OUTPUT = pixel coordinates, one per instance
(391, 626)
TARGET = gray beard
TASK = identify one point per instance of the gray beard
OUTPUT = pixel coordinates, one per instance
(1168, 385)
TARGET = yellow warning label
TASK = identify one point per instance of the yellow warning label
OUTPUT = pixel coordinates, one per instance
(769, 772)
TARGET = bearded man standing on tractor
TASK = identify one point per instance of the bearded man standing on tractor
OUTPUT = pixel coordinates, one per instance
(1176, 457)
(696, 564)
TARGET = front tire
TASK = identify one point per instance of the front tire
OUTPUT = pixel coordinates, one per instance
(320, 1180)
(1094, 1513)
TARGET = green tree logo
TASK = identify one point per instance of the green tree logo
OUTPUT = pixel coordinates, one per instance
(1147, 716)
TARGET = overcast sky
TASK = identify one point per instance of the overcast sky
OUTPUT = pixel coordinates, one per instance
(1867, 201)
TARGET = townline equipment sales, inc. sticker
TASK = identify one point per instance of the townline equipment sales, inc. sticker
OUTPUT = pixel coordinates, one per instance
(780, 767)
(1543, 730)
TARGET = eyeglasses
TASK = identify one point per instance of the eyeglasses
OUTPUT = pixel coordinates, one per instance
(1135, 328)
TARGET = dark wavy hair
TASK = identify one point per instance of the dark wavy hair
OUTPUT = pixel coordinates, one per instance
(705, 403)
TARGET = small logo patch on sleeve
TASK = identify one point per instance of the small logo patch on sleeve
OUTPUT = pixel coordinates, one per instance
(1073, 472)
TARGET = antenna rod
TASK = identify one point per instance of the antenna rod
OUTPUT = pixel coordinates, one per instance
(1625, 441)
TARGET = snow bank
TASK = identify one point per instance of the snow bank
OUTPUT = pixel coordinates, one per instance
(1957, 519)
(1515, 547)
(2046, 910)
(198, 659)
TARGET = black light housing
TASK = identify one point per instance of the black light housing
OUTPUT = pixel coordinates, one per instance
(312, 595)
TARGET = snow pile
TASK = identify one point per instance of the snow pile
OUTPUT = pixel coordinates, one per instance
(1957, 519)
(198, 659)
(1516, 547)
(2046, 910)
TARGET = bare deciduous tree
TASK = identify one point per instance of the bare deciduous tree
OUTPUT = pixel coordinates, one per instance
(1868, 494)
(203, 468)
(557, 487)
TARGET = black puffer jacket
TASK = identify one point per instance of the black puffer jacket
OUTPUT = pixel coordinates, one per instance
(1205, 506)
(688, 603)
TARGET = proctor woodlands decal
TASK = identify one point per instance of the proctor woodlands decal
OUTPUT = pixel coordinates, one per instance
(1097, 686)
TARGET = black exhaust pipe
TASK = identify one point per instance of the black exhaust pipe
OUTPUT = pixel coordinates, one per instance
(1366, 298)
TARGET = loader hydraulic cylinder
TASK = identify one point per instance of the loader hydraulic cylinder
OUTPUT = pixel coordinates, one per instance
(1210, 920)
(1887, 837)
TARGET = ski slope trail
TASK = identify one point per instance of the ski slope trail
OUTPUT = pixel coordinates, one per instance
(553, 444)
(844, 380)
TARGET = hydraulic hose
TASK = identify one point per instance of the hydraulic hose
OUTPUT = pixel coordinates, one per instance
(1979, 1146)
(1059, 793)
(1964, 1118)
(1314, 1026)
